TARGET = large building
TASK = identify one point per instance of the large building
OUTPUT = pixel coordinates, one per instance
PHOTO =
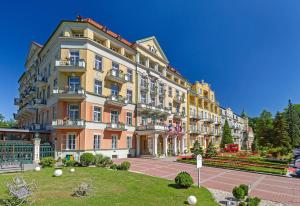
(90, 90)
(204, 115)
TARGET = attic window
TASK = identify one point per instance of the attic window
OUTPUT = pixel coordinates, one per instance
(152, 49)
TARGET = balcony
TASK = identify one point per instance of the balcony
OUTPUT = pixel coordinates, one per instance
(68, 124)
(41, 81)
(194, 131)
(70, 66)
(117, 76)
(69, 94)
(194, 117)
(208, 120)
(17, 101)
(151, 127)
(179, 115)
(179, 99)
(115, 127)
(175, 129)
(39, 103)
(117, 101)
(143, 107)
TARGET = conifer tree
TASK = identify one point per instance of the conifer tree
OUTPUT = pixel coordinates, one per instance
(226, 136)
(280, 135)
(293, 122)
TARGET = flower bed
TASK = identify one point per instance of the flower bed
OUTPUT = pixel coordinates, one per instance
(254, 160)
(238, 165)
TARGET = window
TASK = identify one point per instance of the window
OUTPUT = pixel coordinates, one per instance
(183, 110)
(129, 75)
(143, 97)
(177, 93)
(115, 66)
(161, 101)
(170, 92)
(98, 87)
(161, 89)
(55, 82)
(152, 85)
(48, 91)
(98, 62)
(129, 142)
(97, 114)
(114, 116)
(114, 142)
(74, 84)
(115, 90)
(144, 120)
(170, 106)
(129, 118)
(143, 82)
(129, 96)
(97, 141)
(53, 113)
(74, 112)
(71, 142)
(152, 101)
(74, 57)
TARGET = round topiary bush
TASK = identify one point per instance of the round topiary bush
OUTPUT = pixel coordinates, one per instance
(87, 159)
(47, 162)
(245, 188)
(114, 166)
(238, 193)
(184, 180)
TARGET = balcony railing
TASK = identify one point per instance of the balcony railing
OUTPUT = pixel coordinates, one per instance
(208, 120)
(116, 100)
(38, 102)
(155, 126)
(76, 64)
(179, 115)
(69, 93)
(179, 99)
(61, 123)
(116, 126)
(117, 76)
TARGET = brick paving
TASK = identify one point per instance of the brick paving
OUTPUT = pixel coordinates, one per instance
(268, 187)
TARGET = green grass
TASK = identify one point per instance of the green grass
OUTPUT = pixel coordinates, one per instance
(111, 188)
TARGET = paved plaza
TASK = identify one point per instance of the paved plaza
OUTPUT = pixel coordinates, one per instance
(274, 188)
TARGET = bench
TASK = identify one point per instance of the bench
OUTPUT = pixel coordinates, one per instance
(11, 166)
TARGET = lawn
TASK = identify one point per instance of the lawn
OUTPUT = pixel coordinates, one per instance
(111, 188)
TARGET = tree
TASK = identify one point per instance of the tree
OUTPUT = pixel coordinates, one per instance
(280, 135)
(226, 136)
(197, 149)
(293, 121)
(210, 151)
(7, 124)
(264, 127)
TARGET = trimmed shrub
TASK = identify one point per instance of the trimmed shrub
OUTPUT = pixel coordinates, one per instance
(238, 193)
(245, 188)
(184, 180)
(87, 159)
(124, 166)
(242, 204)
(114, 166)
(104, 162)
(47, 162)
(253, 201)
(71, 163)
(98, 159)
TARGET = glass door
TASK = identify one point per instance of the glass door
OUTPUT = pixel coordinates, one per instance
(74, 57)
(114, 117)
(74, 84)
(73, 112)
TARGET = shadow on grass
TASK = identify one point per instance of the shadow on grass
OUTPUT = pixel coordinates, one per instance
(175, 186)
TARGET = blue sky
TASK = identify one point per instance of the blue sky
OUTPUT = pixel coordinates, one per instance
(247, 50)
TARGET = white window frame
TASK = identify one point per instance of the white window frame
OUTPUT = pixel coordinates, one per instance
(129, 142)
(114, 146)
(97, 144)
(97, 114)
(98, 88)
(129, 118)
(98, 62)
(68, 146)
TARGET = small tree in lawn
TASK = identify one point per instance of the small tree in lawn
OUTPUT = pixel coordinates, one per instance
(293, 122)
(210, 151)
(226, 136)
(197, 149)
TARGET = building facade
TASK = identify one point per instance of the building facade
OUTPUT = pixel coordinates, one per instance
(203, 115)
(239, 126)
(93, 91)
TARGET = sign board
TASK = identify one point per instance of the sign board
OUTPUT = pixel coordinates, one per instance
(199, 161)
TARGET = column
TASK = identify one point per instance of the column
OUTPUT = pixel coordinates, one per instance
(182, 144)
(175, 145)
(138, 145)
(138, 57)
(155, 137)
(37, 143)
(147, 62)
(165, 145)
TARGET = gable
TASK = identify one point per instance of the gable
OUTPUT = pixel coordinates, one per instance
(151, 44)
(34, 48)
